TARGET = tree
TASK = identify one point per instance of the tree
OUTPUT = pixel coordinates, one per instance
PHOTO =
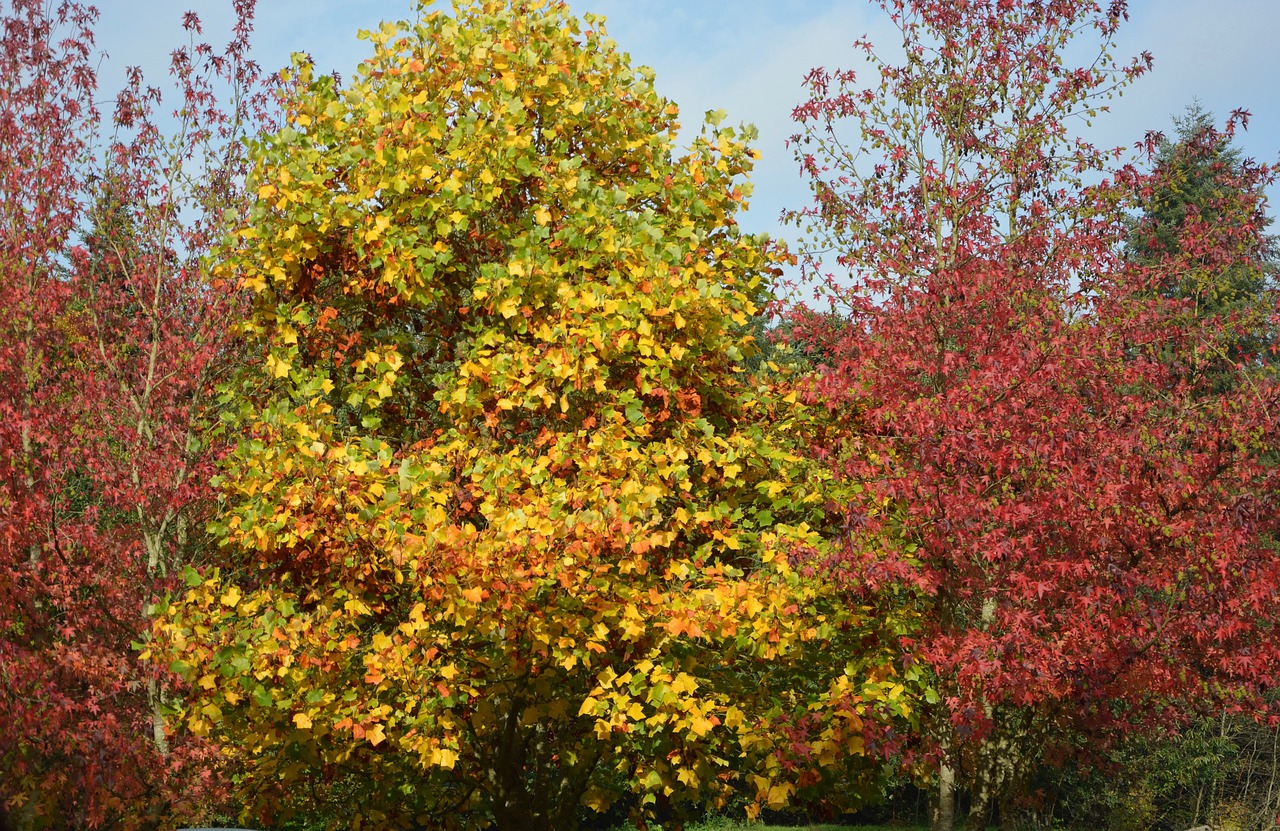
(1090, 531)
(1200, 232)
(1208, 201)
(46, 98)
(508, 526)
(111, 343)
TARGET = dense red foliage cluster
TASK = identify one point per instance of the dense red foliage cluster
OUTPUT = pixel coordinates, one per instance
(110, 343)
(1089, 507)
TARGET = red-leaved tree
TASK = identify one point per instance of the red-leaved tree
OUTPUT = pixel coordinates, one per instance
(1087, 503)
(111, 341)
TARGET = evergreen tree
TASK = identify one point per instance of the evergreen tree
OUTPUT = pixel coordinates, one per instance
(1210, 193)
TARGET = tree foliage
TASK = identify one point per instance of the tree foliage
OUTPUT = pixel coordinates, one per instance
(508, 526)
(1091, 528)
(110, 341)
(1203, 227)
(516, 520)
(1200, 229)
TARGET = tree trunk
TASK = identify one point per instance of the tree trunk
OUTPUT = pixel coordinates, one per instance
(942, 810)
(982, 792)
(1008, 815)
(156, 699)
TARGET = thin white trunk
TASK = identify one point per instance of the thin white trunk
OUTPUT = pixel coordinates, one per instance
(156, 699)
(942, 811)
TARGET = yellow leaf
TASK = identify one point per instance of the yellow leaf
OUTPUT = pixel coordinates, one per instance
(375, 736)
(780, 794)
(302, 721)
(598, 801)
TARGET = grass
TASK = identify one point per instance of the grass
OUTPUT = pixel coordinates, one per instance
(723, 824)
(732, 825)
(823, 827)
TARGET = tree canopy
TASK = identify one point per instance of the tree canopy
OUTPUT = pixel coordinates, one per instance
(111, 340)
(1092, 510)
(508, 525)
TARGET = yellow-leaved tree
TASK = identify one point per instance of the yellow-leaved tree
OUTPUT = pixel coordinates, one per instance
(509, 526)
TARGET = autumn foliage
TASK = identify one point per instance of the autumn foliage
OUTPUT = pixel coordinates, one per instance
(110, 345)
(410, 451)
(1045, 411)
(507, 527)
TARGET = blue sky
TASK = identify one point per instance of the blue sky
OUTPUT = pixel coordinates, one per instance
(748, 57)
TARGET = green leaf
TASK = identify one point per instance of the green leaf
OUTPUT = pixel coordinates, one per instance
(191, 577)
